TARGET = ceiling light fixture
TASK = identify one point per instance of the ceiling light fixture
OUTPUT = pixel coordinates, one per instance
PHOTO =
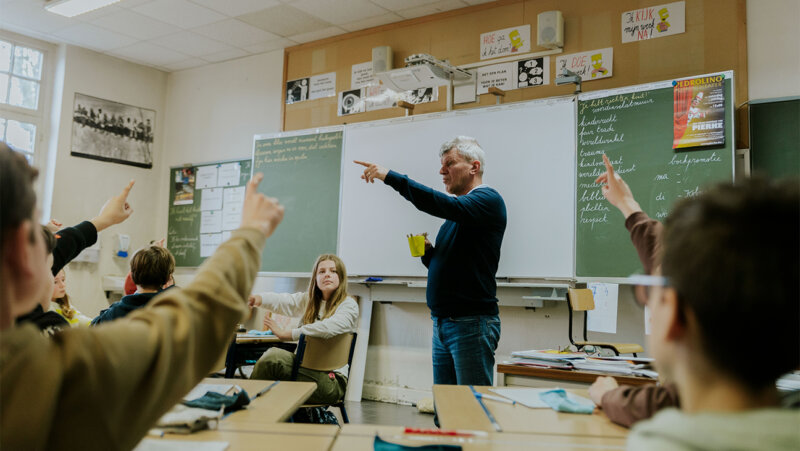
(72, 8)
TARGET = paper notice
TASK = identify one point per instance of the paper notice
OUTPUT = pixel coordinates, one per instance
(211, 221)
(209, 243)
(206, 177)
(229, 174)
(211, 199)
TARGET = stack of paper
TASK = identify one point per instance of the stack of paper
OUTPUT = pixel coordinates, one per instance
(547, 358)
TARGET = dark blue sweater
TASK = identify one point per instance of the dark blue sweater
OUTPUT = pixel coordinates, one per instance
(124, 306)
(463, 264)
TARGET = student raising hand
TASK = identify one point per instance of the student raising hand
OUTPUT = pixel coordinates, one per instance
(616, 191)
(115, 210)
(259, 211)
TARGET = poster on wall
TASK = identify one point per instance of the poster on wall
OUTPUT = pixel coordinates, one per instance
(509, 41)
(321, 86)
(351, 102)
(653, 22)
(111, 131)
(379, 97)
(421, 95)
(592, 65)
(297, 90)
(699, 112)
(533, 72)
(503, 76)
(184, 186)
(361, 75)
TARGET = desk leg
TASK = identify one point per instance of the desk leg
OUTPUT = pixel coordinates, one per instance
(230, 360)
(355, 382)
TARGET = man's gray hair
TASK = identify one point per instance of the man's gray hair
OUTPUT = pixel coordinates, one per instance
(467, 147)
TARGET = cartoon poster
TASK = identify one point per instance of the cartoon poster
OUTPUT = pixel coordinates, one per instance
(533, 72)
(351, 102)
(653, 22)
(297, 90)
(592, 65)
(699, 112)
(503, 76)
(379, 97)
(323, 85)
(421, 95)
(509, 41)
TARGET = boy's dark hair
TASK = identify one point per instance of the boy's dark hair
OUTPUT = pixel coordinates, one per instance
(732, 256)
(152, 267)
(17, 198)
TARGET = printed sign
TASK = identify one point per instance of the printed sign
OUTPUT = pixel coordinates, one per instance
(362, 75)
(653, 22)
(297, 90)
(323, 85)
(592, 65)
(351, 102)
(533, 72)
(699, 112)
(510, 41)
(503, 76)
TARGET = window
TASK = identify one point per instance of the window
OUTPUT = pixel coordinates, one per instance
(20, 88)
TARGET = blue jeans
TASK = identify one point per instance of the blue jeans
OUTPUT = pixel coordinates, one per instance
(463, 349)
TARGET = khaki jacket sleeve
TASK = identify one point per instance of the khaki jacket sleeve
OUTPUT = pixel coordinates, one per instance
(106, 386)
(625, 405)
(646, 237)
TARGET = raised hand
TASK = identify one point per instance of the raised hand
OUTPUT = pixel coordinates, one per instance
(259, 211)
(616, 191)
(115, 210)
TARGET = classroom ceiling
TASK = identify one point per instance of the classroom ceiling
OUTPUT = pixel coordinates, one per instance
(173, 35)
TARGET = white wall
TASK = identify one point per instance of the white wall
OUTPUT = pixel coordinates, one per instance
(773, 49)
(81, 186)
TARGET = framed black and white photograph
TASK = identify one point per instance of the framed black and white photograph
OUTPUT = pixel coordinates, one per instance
(297, 90)
(111, 131)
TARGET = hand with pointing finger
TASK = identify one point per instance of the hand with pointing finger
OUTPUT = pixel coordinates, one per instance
(115, 210)
(372, 171)
(616, 191)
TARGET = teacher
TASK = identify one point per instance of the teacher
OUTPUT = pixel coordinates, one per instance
(461, 290)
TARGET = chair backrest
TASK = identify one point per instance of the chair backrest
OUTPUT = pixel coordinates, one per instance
(326, 354)
(580, 299)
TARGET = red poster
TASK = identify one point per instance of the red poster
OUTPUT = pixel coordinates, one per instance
(699, 112)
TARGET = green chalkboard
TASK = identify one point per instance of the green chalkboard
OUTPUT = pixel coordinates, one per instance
(634, 127)
(302, 170)
(775, 137)
(186, 237)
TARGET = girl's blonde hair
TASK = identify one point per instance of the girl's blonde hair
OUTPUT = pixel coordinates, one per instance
(63, 302)
(315, 294)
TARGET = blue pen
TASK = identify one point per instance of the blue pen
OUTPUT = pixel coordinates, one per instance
(478, 397)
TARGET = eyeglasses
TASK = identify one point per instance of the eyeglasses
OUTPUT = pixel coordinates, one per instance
(643, 285)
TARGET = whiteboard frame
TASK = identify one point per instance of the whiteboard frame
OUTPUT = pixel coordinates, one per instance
(307, 131)
(729, 75)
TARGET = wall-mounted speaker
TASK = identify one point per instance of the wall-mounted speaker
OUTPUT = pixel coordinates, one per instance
(549, 30)
(381, 59)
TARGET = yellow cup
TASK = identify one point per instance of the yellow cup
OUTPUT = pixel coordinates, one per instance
(417, 245)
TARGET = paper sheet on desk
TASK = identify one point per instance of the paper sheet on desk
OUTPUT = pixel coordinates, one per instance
(529, 397)
(150, 444)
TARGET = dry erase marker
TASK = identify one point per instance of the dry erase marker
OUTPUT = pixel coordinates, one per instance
(447, 432)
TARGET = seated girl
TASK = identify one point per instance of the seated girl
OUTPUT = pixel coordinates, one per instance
(61, 305)
(327, 311)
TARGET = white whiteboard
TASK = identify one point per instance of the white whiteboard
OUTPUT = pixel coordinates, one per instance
(530, 161)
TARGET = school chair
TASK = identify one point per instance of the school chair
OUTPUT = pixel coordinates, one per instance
(582, 300)
(325, 354)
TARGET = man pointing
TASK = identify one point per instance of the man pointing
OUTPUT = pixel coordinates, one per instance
(461, 290)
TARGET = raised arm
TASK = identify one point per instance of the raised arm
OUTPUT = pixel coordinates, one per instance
(287, 304)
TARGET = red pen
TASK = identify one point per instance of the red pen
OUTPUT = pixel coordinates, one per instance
(447, 432)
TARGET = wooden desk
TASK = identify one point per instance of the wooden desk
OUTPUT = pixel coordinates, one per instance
(274, 406)
(458, 409)
(257, 441)
(550, 377)
(362, 436)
